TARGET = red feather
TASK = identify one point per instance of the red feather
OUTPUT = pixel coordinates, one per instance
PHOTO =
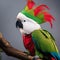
(53, 58)
(43, 5)
(39, 9)
(30, 4)
(28, 43)
(48, 18)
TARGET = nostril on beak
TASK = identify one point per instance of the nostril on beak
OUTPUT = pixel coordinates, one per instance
(19, 24)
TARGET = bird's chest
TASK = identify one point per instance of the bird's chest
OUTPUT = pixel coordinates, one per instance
(28, 44)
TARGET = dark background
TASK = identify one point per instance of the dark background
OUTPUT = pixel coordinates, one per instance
(8, 12)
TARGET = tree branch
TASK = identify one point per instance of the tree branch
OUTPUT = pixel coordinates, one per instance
(11, 51)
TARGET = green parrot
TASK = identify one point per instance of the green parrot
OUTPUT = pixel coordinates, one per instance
(39, 42)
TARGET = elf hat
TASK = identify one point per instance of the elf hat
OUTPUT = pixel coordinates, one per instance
(37, 13)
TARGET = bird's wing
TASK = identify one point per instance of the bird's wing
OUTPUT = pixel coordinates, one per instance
(48, 34)
(44, 41)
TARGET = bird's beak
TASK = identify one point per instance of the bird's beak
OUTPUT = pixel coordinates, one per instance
(21, 30)
(19, 24)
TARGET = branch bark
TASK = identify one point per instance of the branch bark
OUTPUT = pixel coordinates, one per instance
(11, 51)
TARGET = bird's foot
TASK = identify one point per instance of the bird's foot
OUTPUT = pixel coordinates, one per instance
(36, 58)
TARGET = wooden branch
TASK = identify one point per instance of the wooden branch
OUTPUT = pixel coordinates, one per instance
(11, 51)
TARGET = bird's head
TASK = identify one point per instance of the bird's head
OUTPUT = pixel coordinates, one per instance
(30, 17)
(26, 24)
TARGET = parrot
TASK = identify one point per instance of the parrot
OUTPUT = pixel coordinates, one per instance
(39, 42)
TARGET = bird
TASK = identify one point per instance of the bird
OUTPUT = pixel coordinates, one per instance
(39, 42)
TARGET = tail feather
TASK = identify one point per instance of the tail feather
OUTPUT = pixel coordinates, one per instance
(56, 55)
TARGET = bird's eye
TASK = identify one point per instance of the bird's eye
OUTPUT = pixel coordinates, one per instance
(24, 20)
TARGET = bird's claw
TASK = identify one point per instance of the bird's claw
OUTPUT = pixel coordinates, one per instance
(36, 58)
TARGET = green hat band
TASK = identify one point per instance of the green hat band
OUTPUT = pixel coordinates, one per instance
(32, 17)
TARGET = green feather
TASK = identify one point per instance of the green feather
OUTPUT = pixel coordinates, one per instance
(44, 41)
(31, 12)
(32, 17)
(41, 17)
(49, 35)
